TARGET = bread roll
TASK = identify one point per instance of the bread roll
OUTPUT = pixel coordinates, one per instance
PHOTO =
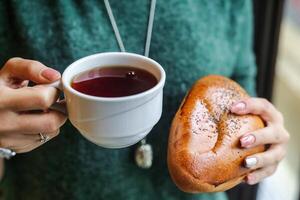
(204, 153)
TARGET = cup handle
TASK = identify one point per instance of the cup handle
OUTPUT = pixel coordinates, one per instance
(59, 106)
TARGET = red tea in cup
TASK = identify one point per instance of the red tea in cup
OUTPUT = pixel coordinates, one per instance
(115, 81)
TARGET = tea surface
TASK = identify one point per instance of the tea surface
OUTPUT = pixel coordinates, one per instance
(114, 81)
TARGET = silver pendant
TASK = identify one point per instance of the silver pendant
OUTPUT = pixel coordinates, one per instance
(144, 155)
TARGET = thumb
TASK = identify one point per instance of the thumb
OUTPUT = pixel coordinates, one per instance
(24, 69)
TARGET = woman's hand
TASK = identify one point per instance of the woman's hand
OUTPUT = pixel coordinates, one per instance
(274, 134)
(20, 126)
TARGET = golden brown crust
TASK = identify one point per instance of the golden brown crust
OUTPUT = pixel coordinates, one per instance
(203, 150)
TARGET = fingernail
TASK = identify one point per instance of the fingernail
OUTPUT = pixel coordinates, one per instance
(250, 162)
(250, 179)
(240, 106)
(50, 74)
(247, 140)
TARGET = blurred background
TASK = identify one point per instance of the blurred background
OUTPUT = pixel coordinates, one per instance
(284, 184)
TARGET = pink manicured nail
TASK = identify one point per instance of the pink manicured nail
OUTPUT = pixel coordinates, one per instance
(240, 106)
(247, 140)
(250, 179)
(250, 162)
(50, 74)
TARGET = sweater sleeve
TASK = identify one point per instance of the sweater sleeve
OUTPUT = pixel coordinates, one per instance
(245, 67)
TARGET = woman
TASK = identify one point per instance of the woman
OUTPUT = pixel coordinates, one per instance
(190, 39)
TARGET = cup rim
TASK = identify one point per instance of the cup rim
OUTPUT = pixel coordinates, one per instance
(159, 85)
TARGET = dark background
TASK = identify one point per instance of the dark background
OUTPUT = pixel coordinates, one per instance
(267, 20)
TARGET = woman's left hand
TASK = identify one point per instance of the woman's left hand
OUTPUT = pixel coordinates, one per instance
(274, 134)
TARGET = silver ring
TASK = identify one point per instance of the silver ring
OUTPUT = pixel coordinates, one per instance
(6, 153)
(43, 138)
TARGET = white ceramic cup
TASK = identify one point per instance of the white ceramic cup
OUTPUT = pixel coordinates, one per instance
(118, 121)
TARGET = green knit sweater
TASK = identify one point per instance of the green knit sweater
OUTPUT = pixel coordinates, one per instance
(191, 38)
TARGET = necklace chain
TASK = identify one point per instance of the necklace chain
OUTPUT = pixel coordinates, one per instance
(116, 29)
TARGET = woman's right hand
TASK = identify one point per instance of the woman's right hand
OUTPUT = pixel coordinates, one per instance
(20, 127)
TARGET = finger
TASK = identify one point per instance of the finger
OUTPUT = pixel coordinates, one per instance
(267, 135)
(26, 69)
(36, 143)
(271, 157)
(16, 83)
(257, 106)
(12, 141)
(260, 174)
(40, 122)
(28, 98)
(17, 141)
